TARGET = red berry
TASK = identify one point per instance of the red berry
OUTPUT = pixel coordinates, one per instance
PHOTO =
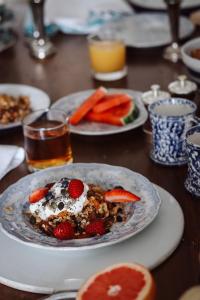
(75, 188)
(64, 231)
(49, 185)
(119, 195)
(95, 227)
(38, 194)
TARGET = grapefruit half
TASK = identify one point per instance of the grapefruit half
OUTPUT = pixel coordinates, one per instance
(127, 281)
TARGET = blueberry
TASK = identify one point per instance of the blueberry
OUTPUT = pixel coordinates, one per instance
(118, 187)
(63, 192)
(44, 203)
(49, 196)
(32, 220)
(119, 219)
(53, 205)
(61, 205)
(64, 182)
(120, 210)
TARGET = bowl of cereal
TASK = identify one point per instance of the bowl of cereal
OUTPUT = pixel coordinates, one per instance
(78, 206)
(190, 53)
(18, 100)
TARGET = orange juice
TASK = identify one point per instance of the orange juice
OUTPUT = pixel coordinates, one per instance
(107, 57)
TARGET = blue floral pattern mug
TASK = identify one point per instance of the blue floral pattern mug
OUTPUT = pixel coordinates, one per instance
(170, 120)
(192, 182)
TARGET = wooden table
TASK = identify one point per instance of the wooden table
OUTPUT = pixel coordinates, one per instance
(68, 72)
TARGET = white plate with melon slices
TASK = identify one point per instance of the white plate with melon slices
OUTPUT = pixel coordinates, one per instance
(134, 116)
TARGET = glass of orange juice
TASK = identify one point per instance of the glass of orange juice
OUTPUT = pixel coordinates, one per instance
(107, 57)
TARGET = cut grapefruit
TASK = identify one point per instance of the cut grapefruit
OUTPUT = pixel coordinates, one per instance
(127, 281)
(87, 105)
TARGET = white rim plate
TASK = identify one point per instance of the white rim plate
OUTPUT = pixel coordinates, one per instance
(14, 201)
(62, 295)
(159, 4)
(38, 98)
(147, 30)
(71, 102)
(61, 269)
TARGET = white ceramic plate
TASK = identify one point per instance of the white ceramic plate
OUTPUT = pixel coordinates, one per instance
(192, 63)
(38, 98)
(62, 296)
(67, 270)
(159, 4)
(150, 30)
(14, 202)
(71, 102)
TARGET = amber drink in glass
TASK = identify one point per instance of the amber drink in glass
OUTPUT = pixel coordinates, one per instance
(47, 139)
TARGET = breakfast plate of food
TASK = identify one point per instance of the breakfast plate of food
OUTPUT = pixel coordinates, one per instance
(103, 111)
(18, 100)
(79, 206)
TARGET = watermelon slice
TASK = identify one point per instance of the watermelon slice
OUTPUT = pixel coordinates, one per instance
(111, 101)
(119, 116)
(87, 105)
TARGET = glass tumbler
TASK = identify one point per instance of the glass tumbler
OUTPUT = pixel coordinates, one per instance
(46, 139)
(107, 57)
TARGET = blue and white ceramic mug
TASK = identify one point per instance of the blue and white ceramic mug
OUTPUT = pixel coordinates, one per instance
(170, 120)
(192, 182)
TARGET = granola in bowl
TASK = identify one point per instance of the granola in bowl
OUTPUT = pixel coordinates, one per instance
(13, 109)
(73, 209)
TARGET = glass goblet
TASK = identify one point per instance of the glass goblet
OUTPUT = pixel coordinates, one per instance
(172, 52)
(40, 45)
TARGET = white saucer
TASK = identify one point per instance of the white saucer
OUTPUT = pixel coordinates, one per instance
(42, 271)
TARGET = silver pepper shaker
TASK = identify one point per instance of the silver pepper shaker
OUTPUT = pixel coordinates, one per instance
(40, 46)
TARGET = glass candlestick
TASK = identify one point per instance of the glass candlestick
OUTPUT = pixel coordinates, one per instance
(172, 52)
(40, 45)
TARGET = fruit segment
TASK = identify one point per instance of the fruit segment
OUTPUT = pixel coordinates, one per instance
(87, 105)
(38, 194)
(63, 231)
(127, 281)
(75, 188)
(120, 196)
(106, 117)
(111, 101)
(95, 227)
(118, 116)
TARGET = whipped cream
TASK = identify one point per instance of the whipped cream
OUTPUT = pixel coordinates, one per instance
(58, 200)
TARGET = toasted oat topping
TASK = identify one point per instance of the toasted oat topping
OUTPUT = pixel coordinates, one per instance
(13, 109)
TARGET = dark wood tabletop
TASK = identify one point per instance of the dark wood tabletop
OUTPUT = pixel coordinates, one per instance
(68, 72)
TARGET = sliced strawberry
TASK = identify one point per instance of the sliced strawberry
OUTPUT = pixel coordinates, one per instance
(49, 185)
(95, 227)
(119, 195)
(75, 188)
(64, 231)
(38, 194)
